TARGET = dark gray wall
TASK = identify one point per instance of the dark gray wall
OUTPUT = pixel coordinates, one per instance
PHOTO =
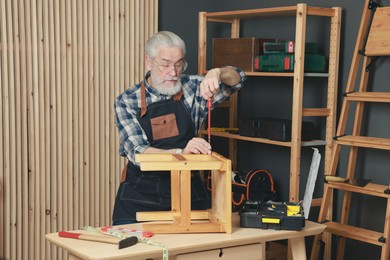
(272, 97)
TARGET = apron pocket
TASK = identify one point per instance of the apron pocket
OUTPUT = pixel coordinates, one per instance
(164, 126)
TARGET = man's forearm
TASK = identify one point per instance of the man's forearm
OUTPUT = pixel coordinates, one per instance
(229, 76)
(157, 150)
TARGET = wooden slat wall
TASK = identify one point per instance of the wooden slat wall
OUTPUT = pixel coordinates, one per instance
(62, 64)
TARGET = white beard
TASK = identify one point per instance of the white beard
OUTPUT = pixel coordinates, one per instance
(169, 91)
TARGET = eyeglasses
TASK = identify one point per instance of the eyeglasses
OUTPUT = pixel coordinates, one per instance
(166, 66)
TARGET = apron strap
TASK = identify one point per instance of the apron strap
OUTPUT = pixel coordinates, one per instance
(143, 99)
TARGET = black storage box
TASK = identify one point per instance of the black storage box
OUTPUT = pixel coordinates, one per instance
(272, 215)
(275, 129)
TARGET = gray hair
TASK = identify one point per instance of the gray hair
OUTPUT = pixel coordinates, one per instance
(166, 39)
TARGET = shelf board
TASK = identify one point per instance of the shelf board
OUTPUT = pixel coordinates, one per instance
(263, 140)
(252, 13)
(284, 74)
(364, 141)
(364, 235)
(372, 189)
(280, 74)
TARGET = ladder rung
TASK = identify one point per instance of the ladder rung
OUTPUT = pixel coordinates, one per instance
(368, 96)
(364, 141)
(361, 234)
(315, 112)
(370, 189)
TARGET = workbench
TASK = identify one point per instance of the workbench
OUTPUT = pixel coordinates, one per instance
(242, 243)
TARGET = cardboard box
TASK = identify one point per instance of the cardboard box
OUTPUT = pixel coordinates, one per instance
(237, 52)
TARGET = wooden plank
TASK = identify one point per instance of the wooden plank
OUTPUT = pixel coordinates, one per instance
(40, 120)
(2, 152)
(96, 115)
(386, 231)
(378, 41)
(333, 71)
(356, 233)
(273, 11)
(68, 115)
(370, 189)
(300, 36)
(110, 79)
(368, 97)
(104, 214)
(91, 122)
(187, 165)
(175, 196)
(5, 131)
(315, 112)
(46, 115)
(202, 43)
(75, 115)
(36, 164)
(86, 115)
(14, 86)
(52, 205)
(170, 215)
(23, 183)
(185, 197)
(170, 228)
(79, 107)
(365, 141)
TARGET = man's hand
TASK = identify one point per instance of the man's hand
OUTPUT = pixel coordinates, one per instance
(210, 83)
(197, 146)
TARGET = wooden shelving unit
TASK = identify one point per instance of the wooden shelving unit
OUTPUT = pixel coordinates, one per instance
(300, 11)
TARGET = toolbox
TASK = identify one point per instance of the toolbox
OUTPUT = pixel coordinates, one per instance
(237, 52)
(272, 215)
(285, 63)
(275, 129)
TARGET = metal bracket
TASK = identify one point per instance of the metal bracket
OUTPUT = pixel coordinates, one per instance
(345, 94)
(373, 60)
(372, 5)
(337, 137)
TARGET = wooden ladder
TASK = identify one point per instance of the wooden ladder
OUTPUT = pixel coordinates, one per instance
(373, 41)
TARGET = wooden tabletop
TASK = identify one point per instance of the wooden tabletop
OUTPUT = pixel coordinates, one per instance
(179, 243)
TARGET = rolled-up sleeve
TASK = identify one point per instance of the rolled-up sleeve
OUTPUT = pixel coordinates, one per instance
(132, 138)
(226, 90)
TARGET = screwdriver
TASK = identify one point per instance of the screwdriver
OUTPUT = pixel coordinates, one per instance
(209, 104)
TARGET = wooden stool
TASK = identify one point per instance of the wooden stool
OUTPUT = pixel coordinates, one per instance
(181, 219)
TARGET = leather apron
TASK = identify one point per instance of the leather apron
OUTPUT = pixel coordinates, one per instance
(167, 125)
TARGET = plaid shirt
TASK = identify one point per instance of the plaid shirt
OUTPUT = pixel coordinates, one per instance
(127, 105)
